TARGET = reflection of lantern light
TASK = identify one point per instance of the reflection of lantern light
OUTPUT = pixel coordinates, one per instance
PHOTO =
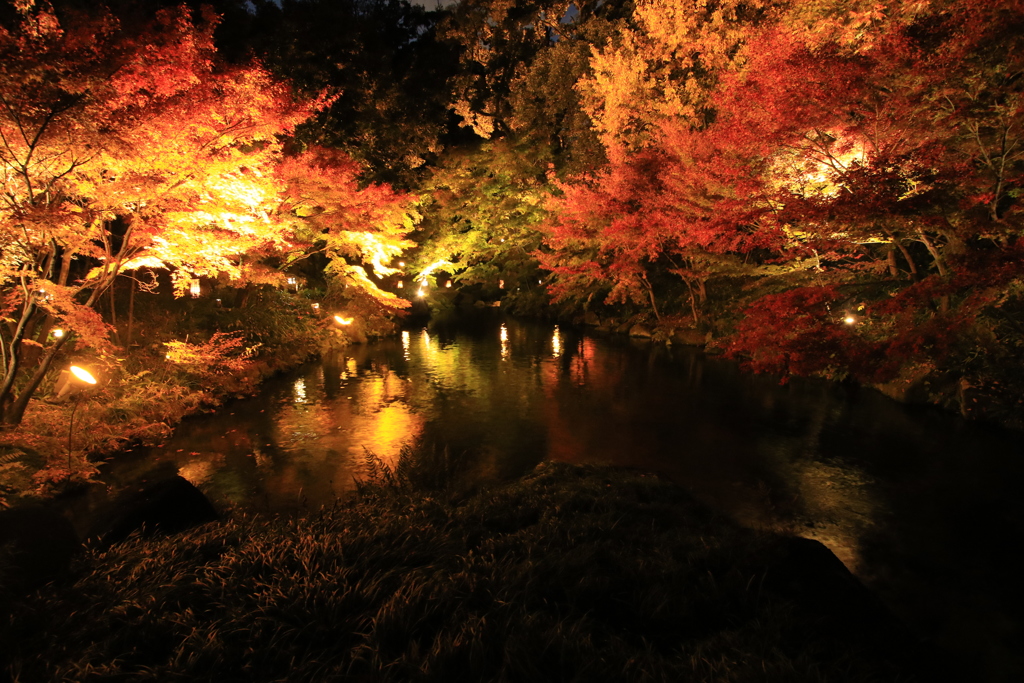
(57, 333)
(504, 342)
(195, 289)
(343, 321)
(556, 342)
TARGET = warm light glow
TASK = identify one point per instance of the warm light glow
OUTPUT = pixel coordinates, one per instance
(291, 281)
(343, 321)
(401, 284)
(501, 284)
(57, 332)
(82, 374)
(504, 342)
(316, 307)
(299, 390)
(448, 284)
(421, 293)
(556, 343)
(401, 264)
(405, 343)
(425, 273)
(849, 320)
(195, 289)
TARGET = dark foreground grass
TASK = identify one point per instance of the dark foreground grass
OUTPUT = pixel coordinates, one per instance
(571, 574)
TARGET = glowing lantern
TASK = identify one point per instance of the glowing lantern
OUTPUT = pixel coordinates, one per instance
(343, 321)
(401, 284)
(501, 284)
(421, 293)
(448, 284)
(850, 320)
(74, 380)
(194, 289)
(316, 307)
(57, 333)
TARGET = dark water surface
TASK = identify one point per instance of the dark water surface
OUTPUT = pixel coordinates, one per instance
(924, 507)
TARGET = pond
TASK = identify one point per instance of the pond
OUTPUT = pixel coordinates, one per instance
(920, 504)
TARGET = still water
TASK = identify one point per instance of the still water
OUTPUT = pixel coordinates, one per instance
(923, 506)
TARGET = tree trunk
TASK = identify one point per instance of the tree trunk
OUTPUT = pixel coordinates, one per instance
(936, 256)
(14, 413)
(131, 312)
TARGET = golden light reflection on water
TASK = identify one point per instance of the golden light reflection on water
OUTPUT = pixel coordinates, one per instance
(299, 390)
(561, 396)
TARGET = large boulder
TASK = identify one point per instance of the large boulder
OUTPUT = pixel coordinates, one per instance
(36, 546)
(817, 582)
(168, 506)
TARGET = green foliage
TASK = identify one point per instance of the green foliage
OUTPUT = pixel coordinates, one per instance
(482, 215)
(571, 574)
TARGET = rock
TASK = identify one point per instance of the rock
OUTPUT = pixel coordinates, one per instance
(819, 584)
(168, 506)
(640, 331)
(36, 546)
(590, 319)
(689, 337)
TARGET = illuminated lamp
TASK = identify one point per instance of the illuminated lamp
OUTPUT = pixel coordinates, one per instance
(850, 320)
(343, 321)
(72, 381)
(448, 284)
(401, 284)
(195, 289)
(316, 307)
(421, 293)
(501, 284)
(57, 333)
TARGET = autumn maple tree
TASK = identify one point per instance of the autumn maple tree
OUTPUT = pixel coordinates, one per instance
(121, 146)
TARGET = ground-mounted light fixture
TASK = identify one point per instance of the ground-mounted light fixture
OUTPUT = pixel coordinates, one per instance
(316, 307)
(849, 319)
(57, 333)
(73, 381)
(448, 284)
(70, 385)
(400, 284)
(342, 320)
(195, 288)
(293, 282)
